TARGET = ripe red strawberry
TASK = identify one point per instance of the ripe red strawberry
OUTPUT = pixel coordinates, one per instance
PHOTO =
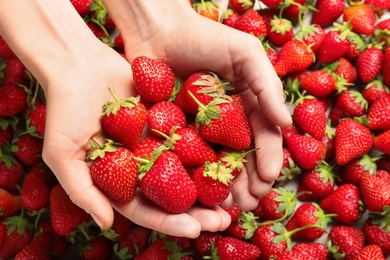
(167, 183)
(11, 173)
(334, 46)
(162, 248)
(147, 146)
(376, 234)
(164, 115)
(82, 6)
(13, 100)
(369, 64)
(293, 56)
(382, 142)
(345, 69)
(353, 171)
(312, 35)
(44, 173)
(378, 114)
(230, 18)
(240, 5)
(12, 72)
(251, 22)
(203, 243)
(136, 240)
(321, 83)
(361, 17)
(113, 170)
(345, 202)
(352, 103)
(310, 116)
(381, 33)
(207, 9)
(374, 192)
(280, 31)
(244, 227)
(379, 6)
(153, 79)
(278, 204)
(37, 119)
(213, 183)
(306, 150)
(222, 122)
(204, 85)
(273, 4)
(124, 120)
(190, 147)
(228, 247)
(271, 52)
(234, 211)
(121, 224)
(99, 247)
(374, 90)
(263, 238)
(345, 240)
(28, 149)
(312, 250)
(233, 159)
(386, 66)
(352, 140)
(65, 216)
(38, 248)
(7, 129)
(370, 252)
(328, 12)
(319, 183)
(35, 193)
(10, 204)
(307, 214)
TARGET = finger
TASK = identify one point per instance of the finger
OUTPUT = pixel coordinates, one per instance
(215, 219)
(241, 193)
(143, 212)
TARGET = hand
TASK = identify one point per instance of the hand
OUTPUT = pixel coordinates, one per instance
(189, 42)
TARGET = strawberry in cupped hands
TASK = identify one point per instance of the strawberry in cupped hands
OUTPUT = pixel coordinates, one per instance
(222, 122)
(114, 170)
(165, 181)
(154, 80)
(213, 182)
(124, 120)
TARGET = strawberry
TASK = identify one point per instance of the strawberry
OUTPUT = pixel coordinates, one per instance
(162, 248)
(153, 79)
(345, 241)
(293, 56)
(306, 150)
(113, 170)
(35, 193)
(28, 149)
(317, 183)
(121, 224)
(376, 233)
(374, 90)
(264, 237)
(352, 140)
(312, 35)
(166, 182)
(240, 5)
(234, 211)
(19, 235)
(99, 247)
(352, 103)
(310, 116)
(213, 183)
(320, 83)
(382, 32)
(190, 147)
(370, 252)
(222, 122)
(374, 192)
(281, 31)
(361, 17)
(233, 159)
(345, 69)
(124, 120)
(334, 46)
(136, 240)
(65, 216)
(11, 173)
(244, 227)
(37, 119)
(13, 100)
(289, 168)
(251, 22)
(383, 163)
(353, 171)
(38, 248)
(204, 85)
(382, 142)
(81, 6)
(203, 243)
(306, 215)
(369, 64)
(328, 12)
(101, 15)
(12, 72)
(207, 9)
(312, 250)
(345, 202)
(147, 146)
(232, 248)
(10, 204)
(230, 17)
(271, 52)
(7, 129)
(378, 114)
(293, 10)
(164, 115)
(379, 6)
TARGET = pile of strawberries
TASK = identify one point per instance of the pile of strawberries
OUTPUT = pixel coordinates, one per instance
(181, 142)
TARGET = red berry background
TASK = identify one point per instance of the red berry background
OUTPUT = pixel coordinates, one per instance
(332, 197)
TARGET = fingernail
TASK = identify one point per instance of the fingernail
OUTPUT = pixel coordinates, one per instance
(97, 220)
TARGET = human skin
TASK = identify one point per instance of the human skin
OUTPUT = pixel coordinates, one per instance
(75, 70)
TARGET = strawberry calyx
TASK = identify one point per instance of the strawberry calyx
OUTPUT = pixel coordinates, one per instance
(250, 223)
(202, 6)
(100, 149)
(217, 171)
(100, 12)
(382, 218)
(323, 219)
(19, 223)
(288, 173)
(113, 107)
(292, 89)
(144, 165)
(334, 250)
(213, 86)
(280, 25)
(171, 139)
(235, 159)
